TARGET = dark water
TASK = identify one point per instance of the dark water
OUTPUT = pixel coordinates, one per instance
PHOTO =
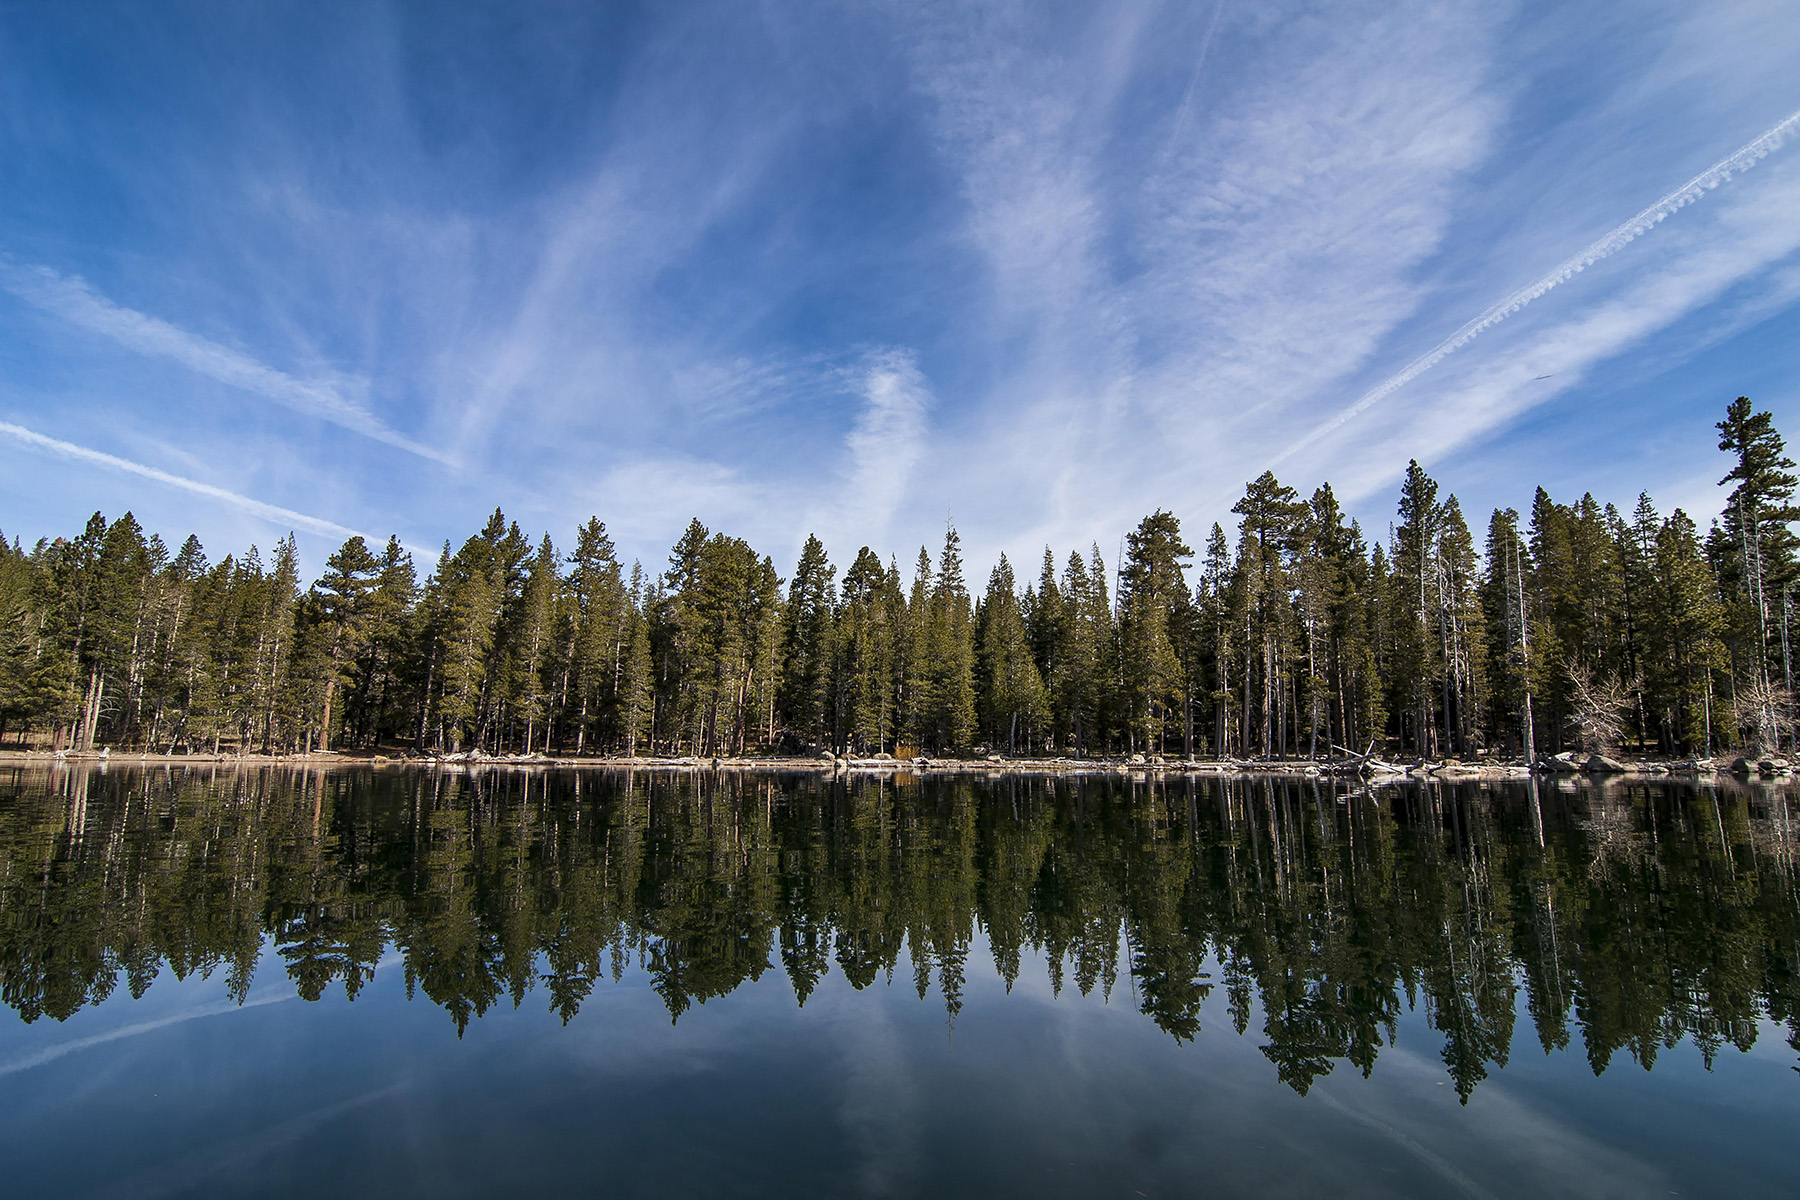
(401, 983)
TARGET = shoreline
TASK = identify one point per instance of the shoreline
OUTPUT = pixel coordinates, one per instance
(1367, 769)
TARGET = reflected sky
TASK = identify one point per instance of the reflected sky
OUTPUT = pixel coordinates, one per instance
(1127, 988)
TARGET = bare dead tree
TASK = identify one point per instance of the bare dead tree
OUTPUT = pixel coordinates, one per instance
(1765, 713)
(1597, 707)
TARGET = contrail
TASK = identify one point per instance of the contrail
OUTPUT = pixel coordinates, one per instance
(1187, 97)
(1620, 237)
(52, 1053)
(113, 462)
(70, 298)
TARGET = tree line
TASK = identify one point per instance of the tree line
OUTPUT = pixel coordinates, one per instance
(1297, 632)
(1628, 920)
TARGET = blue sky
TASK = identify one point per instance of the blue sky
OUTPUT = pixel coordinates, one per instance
(853, 268)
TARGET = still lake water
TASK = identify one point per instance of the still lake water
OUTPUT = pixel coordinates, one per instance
(398, 982)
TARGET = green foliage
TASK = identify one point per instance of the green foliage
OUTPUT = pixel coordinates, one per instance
(1013, 706)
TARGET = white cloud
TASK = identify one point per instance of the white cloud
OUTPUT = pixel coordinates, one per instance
(882, 449)
(1285, 237)
(648, 501)
(1155, 314)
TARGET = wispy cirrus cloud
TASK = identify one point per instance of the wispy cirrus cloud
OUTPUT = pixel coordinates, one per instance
(70, 297)
(1168, 286)
(880, 453)
(1286, 231)
(1133, 251)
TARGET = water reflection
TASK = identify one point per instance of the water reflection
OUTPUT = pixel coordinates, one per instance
(1632, 916)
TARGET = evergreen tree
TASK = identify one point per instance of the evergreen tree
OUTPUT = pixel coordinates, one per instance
(1762, 566)
(637, 693)
(1223, 648)
(1155, 612)
(950, 716)
(867, 632)
(1012, 702)
(1272, 521)
(594, 634)
(341, 592)
(1461, 630)
(1684, 650)
(1418, 654)
(807, 645)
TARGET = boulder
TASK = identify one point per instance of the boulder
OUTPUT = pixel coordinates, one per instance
(1136, 760)
(1599, 764)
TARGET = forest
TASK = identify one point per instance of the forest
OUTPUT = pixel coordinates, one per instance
(1295, 634)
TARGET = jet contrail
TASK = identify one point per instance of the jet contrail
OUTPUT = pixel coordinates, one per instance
(1616, 240)
(245, 503)
(70, 298)
(1187, 97)
(52, 1053)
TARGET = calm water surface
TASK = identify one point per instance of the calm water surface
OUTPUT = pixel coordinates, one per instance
(405, 983)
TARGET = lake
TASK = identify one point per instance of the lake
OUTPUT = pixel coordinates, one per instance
(502, 982)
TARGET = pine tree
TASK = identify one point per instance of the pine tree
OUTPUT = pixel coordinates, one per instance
(637, 692)
(1461, 629)
(23, 693)
(1318, 578)
(1154, 617)
(1075, 683)
(1047, 629)
(389, 649)
(866, 653)
(807, 645)
(1012, 702)
(349, 574)
(1684, 649)
(1757, 524)
(1271, 516)
(950, 719)
(275, 645)
(595, 634)
(1215, 600)
(913, 675)
(1506, 620)
(534, 660)
(1416, 576)
(1103, 632)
